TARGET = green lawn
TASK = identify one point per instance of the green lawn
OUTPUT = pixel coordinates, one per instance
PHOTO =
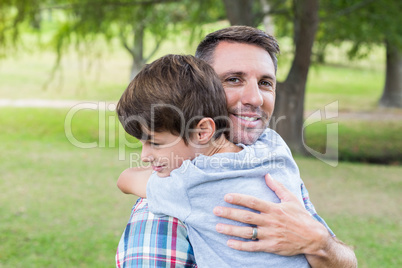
(371, 141)
(356, 89)
(60, 205)
(100, 73)
(361, 203)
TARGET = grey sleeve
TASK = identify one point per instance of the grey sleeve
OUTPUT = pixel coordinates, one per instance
(168, 196)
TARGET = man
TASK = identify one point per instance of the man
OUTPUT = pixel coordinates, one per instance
(245, 60)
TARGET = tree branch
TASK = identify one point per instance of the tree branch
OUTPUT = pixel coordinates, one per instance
(119, 4)
(125, 44)
(158, 43)
(349, 10)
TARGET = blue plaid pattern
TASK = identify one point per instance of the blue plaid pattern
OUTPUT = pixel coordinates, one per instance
(150, 241)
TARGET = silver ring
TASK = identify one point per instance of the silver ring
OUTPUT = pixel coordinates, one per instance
(255, 233)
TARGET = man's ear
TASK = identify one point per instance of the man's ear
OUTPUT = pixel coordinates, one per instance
(205, 130)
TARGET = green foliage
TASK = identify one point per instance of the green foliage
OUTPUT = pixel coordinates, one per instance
(81, 21)
(363, 22)
(283, 15)
(15, 17)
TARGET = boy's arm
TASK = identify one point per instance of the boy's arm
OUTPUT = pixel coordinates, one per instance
(134, 181)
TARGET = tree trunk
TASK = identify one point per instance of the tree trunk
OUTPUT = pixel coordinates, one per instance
(239, 12)
(289, 105)
(392, 95)
(137, 51)
(267, 20)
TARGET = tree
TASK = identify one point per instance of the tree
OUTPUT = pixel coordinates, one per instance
(267, 18)
(367, 23)
(236, 12)
(364, 22)
(84, 21)
(149, 18)
(13, 15)
(392, 94)
(290, 94)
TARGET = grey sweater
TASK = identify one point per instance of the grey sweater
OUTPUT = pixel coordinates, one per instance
(192, 191)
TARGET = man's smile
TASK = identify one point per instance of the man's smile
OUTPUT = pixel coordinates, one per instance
(248, 118)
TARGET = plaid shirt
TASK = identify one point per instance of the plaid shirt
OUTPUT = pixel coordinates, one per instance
(150, 241)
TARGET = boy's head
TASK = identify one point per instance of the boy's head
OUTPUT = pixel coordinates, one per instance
(173, 94)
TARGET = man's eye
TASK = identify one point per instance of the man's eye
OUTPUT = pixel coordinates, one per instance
(266, 83)
(233, 79)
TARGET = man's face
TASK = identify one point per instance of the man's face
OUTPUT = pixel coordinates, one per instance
(248, 77)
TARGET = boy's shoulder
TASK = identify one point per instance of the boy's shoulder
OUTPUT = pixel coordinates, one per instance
(271, 141)
(271, 137)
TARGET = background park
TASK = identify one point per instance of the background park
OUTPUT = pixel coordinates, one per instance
(64, 64)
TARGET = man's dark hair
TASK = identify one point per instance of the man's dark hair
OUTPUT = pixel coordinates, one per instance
(173, 94)
(238, 34)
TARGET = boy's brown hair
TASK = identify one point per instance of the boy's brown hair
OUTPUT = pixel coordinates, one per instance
(173, 94)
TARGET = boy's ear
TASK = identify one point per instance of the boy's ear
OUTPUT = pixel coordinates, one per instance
(205, 130)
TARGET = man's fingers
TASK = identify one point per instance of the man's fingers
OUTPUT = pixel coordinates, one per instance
(232, 230)
(280, 190)
(240, 215)
(245, 246)
(248, 201)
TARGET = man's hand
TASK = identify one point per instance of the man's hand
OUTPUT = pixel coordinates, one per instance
(285, 229)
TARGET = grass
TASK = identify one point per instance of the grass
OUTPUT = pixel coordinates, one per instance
(56, 212)
(361, 203)
(60, 204)
(100, 73)
(78, 78)
(372, 141)
(61, 207)
(355, 88)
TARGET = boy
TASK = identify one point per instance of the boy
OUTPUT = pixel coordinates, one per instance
(176, 107)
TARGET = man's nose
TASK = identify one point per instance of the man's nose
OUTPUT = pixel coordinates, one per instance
(252, 95)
